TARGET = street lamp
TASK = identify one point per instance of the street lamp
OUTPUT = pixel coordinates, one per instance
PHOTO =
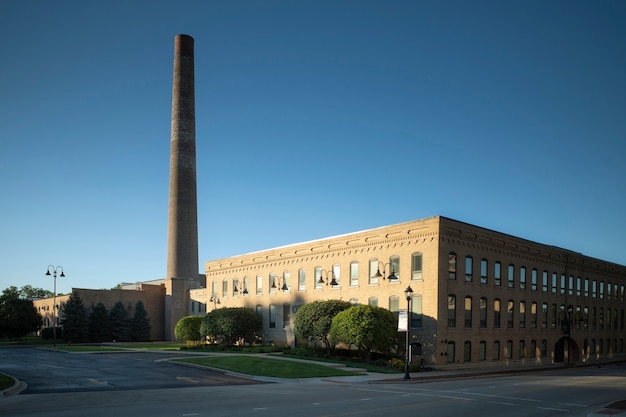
(333, 282)
(392, 276)
(54, 300)
(409, 295)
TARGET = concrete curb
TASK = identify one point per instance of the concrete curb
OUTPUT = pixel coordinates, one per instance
(18, 386)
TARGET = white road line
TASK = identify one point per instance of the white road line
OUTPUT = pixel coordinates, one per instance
(552, 409)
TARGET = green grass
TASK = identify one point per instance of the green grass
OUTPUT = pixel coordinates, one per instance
(263, 366)
(5, 381)
(79, 348)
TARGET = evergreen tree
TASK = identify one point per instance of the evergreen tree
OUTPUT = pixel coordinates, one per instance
(75, 320)
(141, 324)
(18, 317)
(122, 326)
(100, 328)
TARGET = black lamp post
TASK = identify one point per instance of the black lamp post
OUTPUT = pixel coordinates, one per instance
(392, 276)
(409, 295)
(54, 300)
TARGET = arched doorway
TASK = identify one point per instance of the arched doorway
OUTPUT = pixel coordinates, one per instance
(566, 350)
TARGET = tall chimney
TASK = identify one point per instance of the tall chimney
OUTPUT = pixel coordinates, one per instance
(182, 229)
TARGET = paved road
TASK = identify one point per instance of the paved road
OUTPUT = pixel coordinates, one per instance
(172, 391)
(47, 371)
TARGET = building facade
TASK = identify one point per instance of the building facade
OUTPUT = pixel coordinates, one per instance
(479, 296)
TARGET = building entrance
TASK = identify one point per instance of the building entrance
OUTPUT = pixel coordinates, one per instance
(566, 351)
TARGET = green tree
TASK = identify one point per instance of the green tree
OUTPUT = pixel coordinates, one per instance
(313, 321)
(28, 291)
(188, 329)
(141, 324)
(366, 327)
(229, 325)
(75, 320)
(10, 293)
(18, 317)
(121, 323)
(100, 327)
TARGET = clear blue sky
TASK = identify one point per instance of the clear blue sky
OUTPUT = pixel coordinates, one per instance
(314, 118)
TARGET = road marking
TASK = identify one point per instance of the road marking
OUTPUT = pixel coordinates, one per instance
(420, 394)
(259, 408)
(501, 403)
(551, 409)
(191, 414)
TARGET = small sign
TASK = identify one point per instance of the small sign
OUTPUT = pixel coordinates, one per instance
(403, 321)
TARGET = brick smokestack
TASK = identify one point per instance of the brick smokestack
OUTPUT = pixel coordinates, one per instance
(182, 238)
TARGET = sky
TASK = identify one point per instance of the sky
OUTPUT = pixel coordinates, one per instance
(313, 119)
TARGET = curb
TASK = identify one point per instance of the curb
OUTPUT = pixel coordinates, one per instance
(18, 386)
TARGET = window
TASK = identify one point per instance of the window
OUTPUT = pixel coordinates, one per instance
(451, 352)
(544, 281)
(496, 350)
(273, 283)
(336, 275)
(563, 283)
(259, 313)
(522, 277)
(467, 351)
(594, 286)
(272, 316)
(533, 315)
(373, 301)
(578, 286)
(509, 314)
(522, 349)
(554, 286)
(497, 273)
(394, 304)
(394, 265)
(235, 287)
(586, 318)
(544, 315)
(373, 276)
(509, 349)
(301, 279)
(451, 310)
(416, 312)
(246, 284)
(225, 288)
(452, 266)
(416, 266)
(586, 287)
(483, 312)
(482, 350)
(496, 313)
(533, 349)
(259, 285)
(570, 286)
(317, 277)
(544, 348)
(533, 280)
(354, 274)
(511, 276)
(469, 266)
(286, 316)
(522, 314)
(483, 271)
(601, 290)
(468, 312)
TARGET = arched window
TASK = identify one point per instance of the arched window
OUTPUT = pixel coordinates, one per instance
(467, 351)
(452, 266)
(483, 312)
(468, 312)
(451, 310)
(497, 314)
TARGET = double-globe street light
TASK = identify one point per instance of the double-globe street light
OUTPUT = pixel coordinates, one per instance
(54, 299)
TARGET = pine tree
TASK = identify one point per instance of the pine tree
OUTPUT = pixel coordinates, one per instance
(100, 328)
(75, 321)
(141, 324)
(122, 326)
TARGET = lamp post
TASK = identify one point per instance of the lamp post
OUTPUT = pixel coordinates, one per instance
(332, 282)
(54, 299)
(409, 295)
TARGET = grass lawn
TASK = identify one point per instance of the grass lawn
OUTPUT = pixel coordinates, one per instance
(5, 381)
(263, 366)
(79, 348)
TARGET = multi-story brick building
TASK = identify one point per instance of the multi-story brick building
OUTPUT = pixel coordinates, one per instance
(479, 296)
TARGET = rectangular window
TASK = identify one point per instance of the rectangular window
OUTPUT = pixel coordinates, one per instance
(496, 350)
(259, 284)
(482, 350)
(594, 286)
(586, 287)
(273, 284)
(416, 311)
(511, 276)
(452, 266)
(286, 281)
(483, 313)
(317, 277)
(533, 280)
(468, 312)
(354, 274)
(522, 349)
(544, 315)
(553, 316)
(301, 279)
(469, 266)
(601, 290)
(563, 283)
(373, 280)
(483, 271)
(570, 286)
(533, 315)
(578, 286)
(416, 266)
(522, 277)
(544, 281)
(496, 314)
(246, 284)
(522, 314)
(609, 290)
(337, 275)
(554, 284)
(224, 289)
(497, 274)
(509, 314)
(286, 316)
(394, 304)
(272, 316)
(451, 310)
(236, 288)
